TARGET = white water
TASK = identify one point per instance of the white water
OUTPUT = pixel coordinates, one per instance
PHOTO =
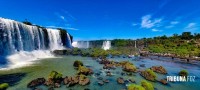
(23, 44)
(81, 44)
(106, 45)
(55, 39)
(24, 58)
(69, 39)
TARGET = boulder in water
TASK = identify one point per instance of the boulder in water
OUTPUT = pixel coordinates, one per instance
(77, 63)
(148, 74)
(120, 80)
(36, 82)
(159, 69)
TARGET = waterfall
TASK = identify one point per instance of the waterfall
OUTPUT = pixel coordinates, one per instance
(55, 39)
(106, 45)
(81, 44)
(20, 41)
(69, 40)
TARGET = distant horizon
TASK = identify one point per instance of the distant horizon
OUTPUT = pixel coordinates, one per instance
(103, 19)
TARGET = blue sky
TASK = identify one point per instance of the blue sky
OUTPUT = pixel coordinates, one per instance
(108, 19)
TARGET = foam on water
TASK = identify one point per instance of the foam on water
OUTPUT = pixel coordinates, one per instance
(25, 58)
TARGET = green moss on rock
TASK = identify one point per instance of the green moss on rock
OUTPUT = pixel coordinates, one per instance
(77, 63)
(55, 75)
(135, 87)
(183, 73)
(147, 85)
(4, 86)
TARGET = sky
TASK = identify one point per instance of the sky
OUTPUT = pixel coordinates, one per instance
(108, 19)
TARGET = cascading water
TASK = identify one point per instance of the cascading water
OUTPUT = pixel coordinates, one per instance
(81, 44)
(55, 41)
(20, 42)
(106, 45)
(69, 40)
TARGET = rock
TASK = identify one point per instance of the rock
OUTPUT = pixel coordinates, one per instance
(55, 76)
(163, 81)
(129, 67)
(142, 65)
(49, 82)
(83, 80)
(131, 80)
(84, 70)
(100, 78)
(104, 61)
(122, 73)
(100, 83)
(108, 66)
(106, 81)
(183, 73)
(57, 85)
(120, 80)
(77, 63)
(108, 73)
(70, 81)
(4, 86)
(36, 82)
(159, 69)
(148, 74)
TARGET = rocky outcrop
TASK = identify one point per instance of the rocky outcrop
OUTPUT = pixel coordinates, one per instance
(183, 73)
(84, 70)
(77, 63)
(159, 69)
(163, 81)
(148, 74)
(129, 67)
(120, 80)
(36, 82)
(54, 79)
(80, 79)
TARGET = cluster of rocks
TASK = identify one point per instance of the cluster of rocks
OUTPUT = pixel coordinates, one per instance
(36, 82)
(79, 79)
(159, 69)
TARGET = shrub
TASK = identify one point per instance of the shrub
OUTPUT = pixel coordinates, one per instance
(4, 86)
(147, 85)
(55, 75)
(183, 73)
(135, 87)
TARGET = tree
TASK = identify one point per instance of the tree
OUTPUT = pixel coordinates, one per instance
(186, 35)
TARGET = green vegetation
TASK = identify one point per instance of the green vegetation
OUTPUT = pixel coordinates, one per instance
(77, 63)
(129, 67)
(4, 86)
(135, 87)
(184, 45)
(183, 73)
(55, 75)
(147, 85)
(27, 22)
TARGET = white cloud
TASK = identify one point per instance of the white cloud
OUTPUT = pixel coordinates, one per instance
(147, 22)
(191, 27)
(62, 17)
(172, 24)
(134, 24)
(53, 27)
(72, 29)
(156, 30)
